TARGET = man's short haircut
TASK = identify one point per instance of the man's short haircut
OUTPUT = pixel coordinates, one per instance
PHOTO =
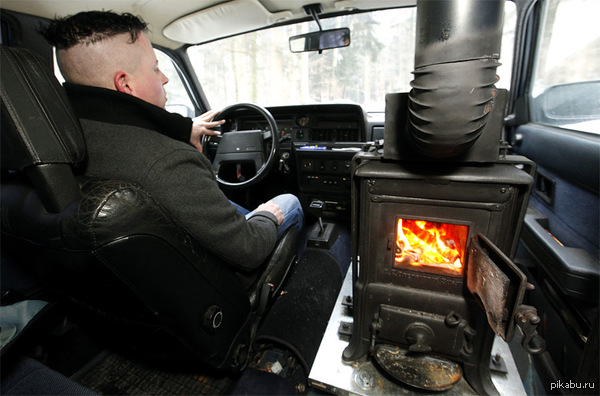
(91, 27)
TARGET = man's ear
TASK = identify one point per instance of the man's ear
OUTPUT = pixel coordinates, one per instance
(121, 81)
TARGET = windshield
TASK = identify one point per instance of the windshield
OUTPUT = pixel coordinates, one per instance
(259, 67)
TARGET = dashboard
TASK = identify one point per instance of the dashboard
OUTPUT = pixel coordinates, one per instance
(330, 123)
(317, 144)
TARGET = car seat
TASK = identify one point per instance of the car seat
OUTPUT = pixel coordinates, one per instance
(106, 247)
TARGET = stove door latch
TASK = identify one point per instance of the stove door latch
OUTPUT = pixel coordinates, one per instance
(527, 319)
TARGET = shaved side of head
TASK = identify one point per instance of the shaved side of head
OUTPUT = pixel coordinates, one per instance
(105, 58)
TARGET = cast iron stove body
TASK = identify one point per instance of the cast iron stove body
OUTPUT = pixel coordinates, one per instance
(442, 185)
(425, 308)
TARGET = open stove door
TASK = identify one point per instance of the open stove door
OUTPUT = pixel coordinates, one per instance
(500, 287)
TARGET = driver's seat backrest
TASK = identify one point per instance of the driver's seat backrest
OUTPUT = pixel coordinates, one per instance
(46, 142)
(106, 245)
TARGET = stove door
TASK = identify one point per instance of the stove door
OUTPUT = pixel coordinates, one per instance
(498, 283)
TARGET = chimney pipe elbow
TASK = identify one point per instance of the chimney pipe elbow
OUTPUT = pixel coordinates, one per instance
(456, 57)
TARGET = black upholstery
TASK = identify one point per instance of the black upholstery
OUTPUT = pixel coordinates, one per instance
(106, 245)
(47, 136)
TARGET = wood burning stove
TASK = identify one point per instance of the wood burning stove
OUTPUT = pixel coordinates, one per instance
(437, 211)
(418, 303)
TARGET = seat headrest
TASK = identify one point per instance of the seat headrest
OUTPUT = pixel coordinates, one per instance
(38, 125)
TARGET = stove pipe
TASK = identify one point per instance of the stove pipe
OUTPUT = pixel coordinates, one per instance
(456, 56)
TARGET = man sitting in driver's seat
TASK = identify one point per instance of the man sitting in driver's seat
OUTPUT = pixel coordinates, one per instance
(117, 90)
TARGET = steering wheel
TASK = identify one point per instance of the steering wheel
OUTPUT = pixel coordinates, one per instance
(243, 150)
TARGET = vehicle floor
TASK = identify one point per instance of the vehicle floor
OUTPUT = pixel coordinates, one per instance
(112, 373)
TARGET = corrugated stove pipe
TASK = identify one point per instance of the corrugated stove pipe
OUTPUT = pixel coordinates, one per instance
(457, 51)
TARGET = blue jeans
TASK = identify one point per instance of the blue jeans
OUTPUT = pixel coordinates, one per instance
(292, 212)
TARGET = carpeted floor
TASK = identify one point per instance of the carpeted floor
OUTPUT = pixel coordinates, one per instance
(300, 315)
(116, 375)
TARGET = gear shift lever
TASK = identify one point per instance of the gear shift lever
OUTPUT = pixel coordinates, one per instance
(316, 209)
(324, 234)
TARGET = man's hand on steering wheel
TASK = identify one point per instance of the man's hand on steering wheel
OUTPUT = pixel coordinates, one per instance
(202, 125)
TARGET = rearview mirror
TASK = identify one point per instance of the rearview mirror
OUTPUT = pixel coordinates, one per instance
(321, 40)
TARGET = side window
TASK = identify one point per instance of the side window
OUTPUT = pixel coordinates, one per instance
(178, 100)
(566, 80)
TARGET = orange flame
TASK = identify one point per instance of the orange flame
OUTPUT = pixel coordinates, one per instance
(435, 245)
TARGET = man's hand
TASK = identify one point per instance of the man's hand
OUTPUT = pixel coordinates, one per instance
(202, 125)
(272, 207)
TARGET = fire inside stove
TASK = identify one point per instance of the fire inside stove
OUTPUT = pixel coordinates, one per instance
(430, 246)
